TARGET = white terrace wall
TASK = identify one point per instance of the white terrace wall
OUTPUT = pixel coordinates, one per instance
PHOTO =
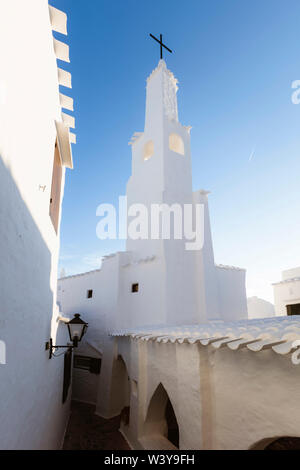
(31, 412)
(254, 396)
(222, 399)
(147, 306)
(72, 298)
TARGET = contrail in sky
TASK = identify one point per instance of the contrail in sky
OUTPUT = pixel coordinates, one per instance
(252, 154)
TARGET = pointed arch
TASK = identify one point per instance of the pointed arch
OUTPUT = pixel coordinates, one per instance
(161, 419)
(176, 144)
(148, 149)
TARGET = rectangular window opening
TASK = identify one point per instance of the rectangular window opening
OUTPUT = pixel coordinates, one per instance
(89, 294)
(293, 309)
(93, 365)
(134, 288)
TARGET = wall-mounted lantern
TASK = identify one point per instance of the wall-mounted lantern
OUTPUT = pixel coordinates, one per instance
(77, 329)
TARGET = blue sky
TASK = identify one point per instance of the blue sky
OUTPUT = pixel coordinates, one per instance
(235, 62)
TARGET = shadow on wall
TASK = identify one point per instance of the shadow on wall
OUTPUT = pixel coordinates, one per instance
(29, 403)
(120, 387)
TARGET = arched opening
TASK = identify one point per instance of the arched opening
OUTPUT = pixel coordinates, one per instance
(148, 149)
(176, 144)
(173, 429)
(121, 390)
(161, 420)
(278, 443)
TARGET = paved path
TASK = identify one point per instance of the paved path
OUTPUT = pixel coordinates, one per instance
(86, 431)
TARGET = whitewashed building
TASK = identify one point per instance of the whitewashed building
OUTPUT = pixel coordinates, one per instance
(287, 293)
(34, 154)
(259, 308)
(181, 362)
(157, 281)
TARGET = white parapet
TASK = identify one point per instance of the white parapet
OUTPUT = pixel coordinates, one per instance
(58, 20)
(68, 120)
(64, 78)
(61, 50)
(66, 102)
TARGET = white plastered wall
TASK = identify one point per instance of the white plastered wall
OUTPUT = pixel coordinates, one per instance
(256, 396)
(232, 293)
(210, 411)
(31, 410)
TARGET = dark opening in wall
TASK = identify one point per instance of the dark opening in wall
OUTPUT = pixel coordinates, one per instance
(293, 309)
(89, 294)
(173, 429)
(134, 288)
(91, 364)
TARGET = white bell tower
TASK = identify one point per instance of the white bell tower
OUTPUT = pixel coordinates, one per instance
(161, 161)
(160, 280)
(161, 174)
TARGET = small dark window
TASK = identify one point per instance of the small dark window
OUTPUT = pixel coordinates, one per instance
(134, 288)
(91, 364)
(293, 309)
(89, 294)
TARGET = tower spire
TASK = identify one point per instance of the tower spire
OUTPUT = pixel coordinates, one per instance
(161, 100)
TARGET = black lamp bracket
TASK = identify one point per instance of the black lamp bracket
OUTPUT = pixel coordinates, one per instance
(51, 348)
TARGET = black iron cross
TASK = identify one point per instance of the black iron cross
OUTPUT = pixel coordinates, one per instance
(161, 45)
